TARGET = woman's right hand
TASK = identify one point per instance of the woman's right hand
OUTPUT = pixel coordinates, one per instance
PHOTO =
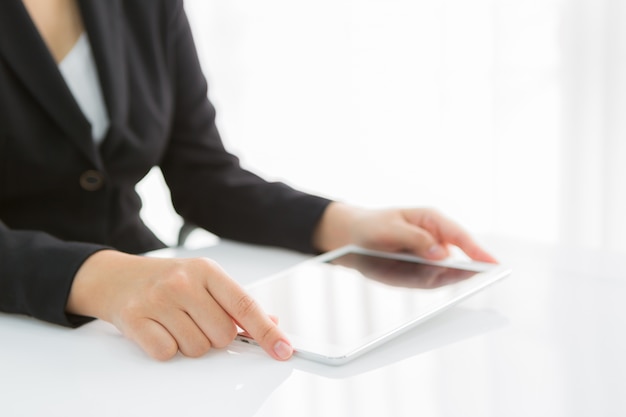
(171, 305)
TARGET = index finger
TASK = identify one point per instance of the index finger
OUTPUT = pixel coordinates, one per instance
(460, 238)
(250, 316)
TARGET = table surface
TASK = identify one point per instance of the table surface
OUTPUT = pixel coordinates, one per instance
(547, 341)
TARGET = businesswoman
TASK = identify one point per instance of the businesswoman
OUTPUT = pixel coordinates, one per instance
(93, 94)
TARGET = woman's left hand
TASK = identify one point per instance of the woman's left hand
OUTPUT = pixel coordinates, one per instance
(422, 231)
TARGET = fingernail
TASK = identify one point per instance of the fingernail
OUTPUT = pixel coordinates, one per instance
(283, 350)
(436, 251)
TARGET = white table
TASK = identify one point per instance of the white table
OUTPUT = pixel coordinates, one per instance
(548, 341)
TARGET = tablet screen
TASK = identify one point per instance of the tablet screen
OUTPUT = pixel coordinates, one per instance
(341, 304)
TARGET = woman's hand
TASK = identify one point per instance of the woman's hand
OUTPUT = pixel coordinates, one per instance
(171, 305)
(421, 231)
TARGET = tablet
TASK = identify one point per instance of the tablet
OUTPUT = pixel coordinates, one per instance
(339, 305)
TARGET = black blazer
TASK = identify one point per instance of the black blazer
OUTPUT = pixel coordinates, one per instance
(62, 198)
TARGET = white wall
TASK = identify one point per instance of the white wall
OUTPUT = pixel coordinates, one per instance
(455, 104)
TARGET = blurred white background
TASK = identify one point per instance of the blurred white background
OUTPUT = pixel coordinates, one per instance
(509, 116)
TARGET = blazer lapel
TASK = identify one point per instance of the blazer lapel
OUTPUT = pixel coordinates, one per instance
(24, 50)
(103, 23)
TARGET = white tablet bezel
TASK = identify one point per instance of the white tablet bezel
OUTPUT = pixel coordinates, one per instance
(335, 355)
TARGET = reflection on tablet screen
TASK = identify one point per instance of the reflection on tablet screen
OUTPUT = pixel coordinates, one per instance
(399, 273)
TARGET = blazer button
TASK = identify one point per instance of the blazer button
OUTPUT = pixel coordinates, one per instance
(91, 180)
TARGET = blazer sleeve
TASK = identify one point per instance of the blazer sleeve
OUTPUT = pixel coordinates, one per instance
(208, 186)
(36, 274)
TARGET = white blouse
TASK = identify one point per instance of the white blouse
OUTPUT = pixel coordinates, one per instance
(81, 76)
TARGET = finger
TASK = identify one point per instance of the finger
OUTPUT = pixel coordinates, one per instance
(195, 306)
(190, 339)
(456, 236)
(420, 242)
(152, 337)
(212, 320)
(272, 317)
(246, 311)
(475, 252)
(445, 231)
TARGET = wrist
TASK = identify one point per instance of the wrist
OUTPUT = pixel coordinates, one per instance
(89, 294)
(335, 228)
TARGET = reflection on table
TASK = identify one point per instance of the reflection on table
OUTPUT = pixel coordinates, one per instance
(548, 340)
